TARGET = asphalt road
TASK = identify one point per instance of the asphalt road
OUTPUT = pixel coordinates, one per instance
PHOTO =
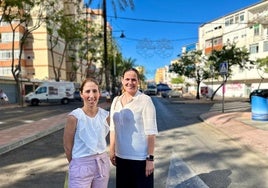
(11, 117)
(194, 153)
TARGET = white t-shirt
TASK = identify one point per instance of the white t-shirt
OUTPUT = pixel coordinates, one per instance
(90, 135)
(132, 124)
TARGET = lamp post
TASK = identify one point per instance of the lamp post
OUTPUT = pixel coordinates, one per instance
(105, 53)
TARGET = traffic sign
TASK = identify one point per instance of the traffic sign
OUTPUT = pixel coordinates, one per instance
(224, 68)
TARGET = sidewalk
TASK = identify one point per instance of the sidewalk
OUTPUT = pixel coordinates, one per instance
(240, 127)
(15, 137)
(237, 125)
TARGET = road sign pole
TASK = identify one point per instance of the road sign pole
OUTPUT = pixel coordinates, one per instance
(223, 88)
(223, 71)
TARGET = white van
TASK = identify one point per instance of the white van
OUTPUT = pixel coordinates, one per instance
(49, 92)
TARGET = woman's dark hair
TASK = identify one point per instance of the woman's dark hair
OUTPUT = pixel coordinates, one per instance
(132, 69)
(89, 80)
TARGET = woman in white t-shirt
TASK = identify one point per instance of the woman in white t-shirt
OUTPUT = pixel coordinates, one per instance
(85, 140)
(132, 135)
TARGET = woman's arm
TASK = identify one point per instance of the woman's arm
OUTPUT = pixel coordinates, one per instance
(68, 136)
(112, 147)
(150, 163)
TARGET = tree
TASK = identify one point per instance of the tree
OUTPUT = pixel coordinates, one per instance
(191, 65)
(65, 32)
(178, 80)
(233, 56)
(18, 14)
(262, 66)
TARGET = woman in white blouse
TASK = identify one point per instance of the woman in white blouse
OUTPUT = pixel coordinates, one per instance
(132, 135)
(85, 141)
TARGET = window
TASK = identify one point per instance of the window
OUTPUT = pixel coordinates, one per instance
(217, 41)
(237, 18)
(254, 48)
(41, 90)
(256, 30)
(208, 43)
(7, 54)
(265, 46)
(229, 21)
(8, 37)
(242, 17)
(243, 35)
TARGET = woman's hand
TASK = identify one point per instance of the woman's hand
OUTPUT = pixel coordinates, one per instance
(149, 168)
(112, 158)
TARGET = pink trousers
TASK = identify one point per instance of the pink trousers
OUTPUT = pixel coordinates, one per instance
(89, 172)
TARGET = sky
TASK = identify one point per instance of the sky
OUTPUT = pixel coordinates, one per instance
(155, 30)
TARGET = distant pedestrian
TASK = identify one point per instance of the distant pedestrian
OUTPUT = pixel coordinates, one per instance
(85, 140)
(3, 97)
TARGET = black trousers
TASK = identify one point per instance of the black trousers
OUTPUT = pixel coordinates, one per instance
(131, 174)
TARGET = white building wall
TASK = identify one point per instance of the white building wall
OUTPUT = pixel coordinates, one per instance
(240, 28)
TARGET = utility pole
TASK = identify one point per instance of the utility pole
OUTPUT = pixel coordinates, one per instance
(105, 53)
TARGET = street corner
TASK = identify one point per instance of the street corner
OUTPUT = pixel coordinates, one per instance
(209, 116)
(218, 119)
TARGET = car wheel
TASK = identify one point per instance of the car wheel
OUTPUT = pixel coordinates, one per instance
(64, 101)
(34, 102)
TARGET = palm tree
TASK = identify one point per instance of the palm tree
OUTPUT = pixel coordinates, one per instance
(122, 4)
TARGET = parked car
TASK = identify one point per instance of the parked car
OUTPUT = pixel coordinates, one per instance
(77, 95)
(259, 92)
(162, 88)
(51, 92)
(151, 90)
(175, 93)
(104, 93)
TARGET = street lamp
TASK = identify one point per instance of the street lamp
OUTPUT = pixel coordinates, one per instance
(122, 35)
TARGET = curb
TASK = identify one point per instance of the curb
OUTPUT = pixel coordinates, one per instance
(16, 137)
(27, 133)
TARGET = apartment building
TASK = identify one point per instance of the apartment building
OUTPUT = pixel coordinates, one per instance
(160, 75)
(248, 28)
(36, 59)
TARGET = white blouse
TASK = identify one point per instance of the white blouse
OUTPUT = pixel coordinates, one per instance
(132, 124)
(90, 135)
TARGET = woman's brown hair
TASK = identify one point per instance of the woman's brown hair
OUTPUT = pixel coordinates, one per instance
(89, 80)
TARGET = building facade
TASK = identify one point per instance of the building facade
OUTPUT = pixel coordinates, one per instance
(247, 28)
(36, 62)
